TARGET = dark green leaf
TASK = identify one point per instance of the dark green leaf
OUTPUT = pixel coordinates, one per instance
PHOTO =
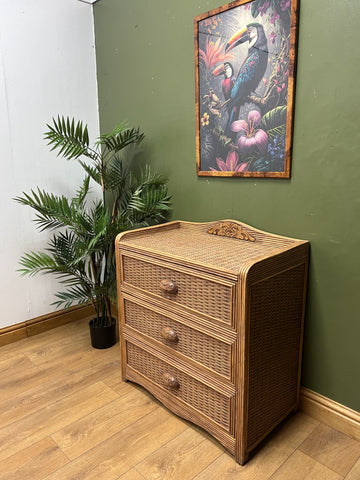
(255, 7)
(274, 118)
(70, 141)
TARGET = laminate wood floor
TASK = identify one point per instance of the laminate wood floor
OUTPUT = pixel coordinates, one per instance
(65, 414)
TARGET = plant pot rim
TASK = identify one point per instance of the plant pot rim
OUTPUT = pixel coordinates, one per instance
(92, 323)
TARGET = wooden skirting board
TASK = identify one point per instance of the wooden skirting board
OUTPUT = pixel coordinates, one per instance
(332, 413)
(41, 324)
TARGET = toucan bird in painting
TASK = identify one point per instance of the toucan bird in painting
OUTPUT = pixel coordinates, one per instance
(251, 71)
(227, 70)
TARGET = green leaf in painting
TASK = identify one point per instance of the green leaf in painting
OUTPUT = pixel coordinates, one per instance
(255, 7)
(274, 118)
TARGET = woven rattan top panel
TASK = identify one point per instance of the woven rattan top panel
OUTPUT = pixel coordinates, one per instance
(192, 243)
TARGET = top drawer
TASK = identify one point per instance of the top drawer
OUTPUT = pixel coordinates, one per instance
(203, 295)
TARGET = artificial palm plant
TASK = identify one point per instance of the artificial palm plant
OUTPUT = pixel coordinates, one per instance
(81, 250)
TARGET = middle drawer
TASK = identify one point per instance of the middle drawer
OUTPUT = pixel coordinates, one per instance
(199, 346)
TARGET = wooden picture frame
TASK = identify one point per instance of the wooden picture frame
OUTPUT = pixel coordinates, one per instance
(245, 72)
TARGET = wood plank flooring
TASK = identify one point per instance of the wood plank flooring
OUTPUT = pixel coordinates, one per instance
(65, 414)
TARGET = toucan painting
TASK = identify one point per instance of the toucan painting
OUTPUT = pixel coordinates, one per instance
(245, 63)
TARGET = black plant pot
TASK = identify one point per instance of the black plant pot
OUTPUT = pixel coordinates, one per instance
(102, 337)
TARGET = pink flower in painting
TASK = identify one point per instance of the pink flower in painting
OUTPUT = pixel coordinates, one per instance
(212, 54)
(284, 4)
(275, 16)
(263, 9)
(272, 37)
(231, 164)
(252, 139)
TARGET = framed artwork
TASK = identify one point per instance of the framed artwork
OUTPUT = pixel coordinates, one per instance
(245, 68)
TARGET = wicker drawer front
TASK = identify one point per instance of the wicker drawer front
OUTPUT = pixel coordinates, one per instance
(208, 297)
(202, 348)
(201, 397)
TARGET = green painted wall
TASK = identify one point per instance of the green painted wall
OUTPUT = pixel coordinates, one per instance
(145, 64)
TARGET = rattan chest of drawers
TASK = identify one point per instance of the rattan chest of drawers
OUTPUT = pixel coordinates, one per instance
(211, 322)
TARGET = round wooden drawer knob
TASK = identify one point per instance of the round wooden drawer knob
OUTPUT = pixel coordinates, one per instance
(169, 334)
(168, 286)
(170, 381)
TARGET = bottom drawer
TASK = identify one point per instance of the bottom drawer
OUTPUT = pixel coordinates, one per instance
(203, 398)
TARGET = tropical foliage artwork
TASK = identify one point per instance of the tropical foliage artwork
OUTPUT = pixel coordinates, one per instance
(244, 57)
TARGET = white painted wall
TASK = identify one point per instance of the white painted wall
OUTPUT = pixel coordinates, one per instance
(47, 67)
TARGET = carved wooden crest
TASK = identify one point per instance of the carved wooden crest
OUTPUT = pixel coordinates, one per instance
(232, 230)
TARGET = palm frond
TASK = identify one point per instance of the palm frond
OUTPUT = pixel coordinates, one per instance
(149, 201)
(56, 211)
(116, 175)
(82, 192)
(149, 179)
(52, 211)
(79, 294)
(120, 137)
(156, 201)
(60, 259)
(37, 262)
(67, 253)
(93, 172)
(82, 223)
(69, 139)
(100, 217)
(135, 201)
